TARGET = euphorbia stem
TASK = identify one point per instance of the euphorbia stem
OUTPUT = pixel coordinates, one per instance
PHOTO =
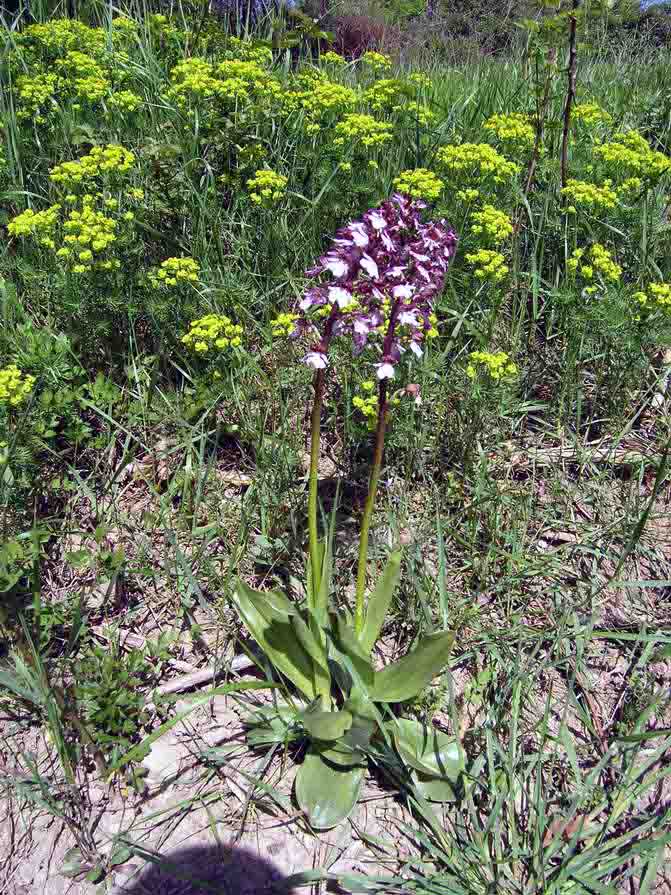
(370, 504)
(315, 429)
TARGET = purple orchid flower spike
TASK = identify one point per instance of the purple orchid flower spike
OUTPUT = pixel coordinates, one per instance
(378, 284)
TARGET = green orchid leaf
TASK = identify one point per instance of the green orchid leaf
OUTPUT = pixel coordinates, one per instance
(360, 734)
(408, 676)
(316, 649)
(73, 864)
(434, 789)
(326, 725)
(366, 721)
(312, 588)
(341, 754)
(380, 601)
(309, 640)
(429, 751)
(276, 637)
(356, 660)
(325, 793)
(319, 592)
(360, 705)
(340, 676)
(272, 603)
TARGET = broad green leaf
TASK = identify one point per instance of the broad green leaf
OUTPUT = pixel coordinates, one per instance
(271, 603)
(434, 789)
(360, 734)
(365, 723)
(327, 725)
(406, 678)
(431, 752)
(96, 874)
(120, 855)
(276, 638)
(317, 652)
(341, 754)
(340, 675)
(308, 639)
(380, 600)
(350, 647)
(327, 795)
(360, 704)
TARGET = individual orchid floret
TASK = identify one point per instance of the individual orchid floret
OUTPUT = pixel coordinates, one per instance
(316, 359)
(385, 370)
(377, 284)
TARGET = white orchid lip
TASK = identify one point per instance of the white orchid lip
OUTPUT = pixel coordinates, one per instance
(337, 267)
(385, 370)
(403, 290)
(369, 266)
(378, 221)
(359, 235)
(408, 318)
(342, 297)
(316, 359)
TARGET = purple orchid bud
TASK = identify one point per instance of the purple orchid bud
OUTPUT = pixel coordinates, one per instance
(312, 298)
(394, 353)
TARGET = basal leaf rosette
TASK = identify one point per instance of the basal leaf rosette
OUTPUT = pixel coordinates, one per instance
(377, 285)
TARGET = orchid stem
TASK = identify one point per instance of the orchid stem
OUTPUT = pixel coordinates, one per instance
(315, 431)
(380, 431)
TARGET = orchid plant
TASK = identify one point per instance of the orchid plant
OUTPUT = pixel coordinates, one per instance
(376, 285)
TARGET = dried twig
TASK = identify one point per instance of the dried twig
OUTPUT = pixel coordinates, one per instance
(206, 675)
(588, 453)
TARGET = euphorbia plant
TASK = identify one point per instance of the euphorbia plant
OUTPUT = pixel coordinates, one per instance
(377, 285)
